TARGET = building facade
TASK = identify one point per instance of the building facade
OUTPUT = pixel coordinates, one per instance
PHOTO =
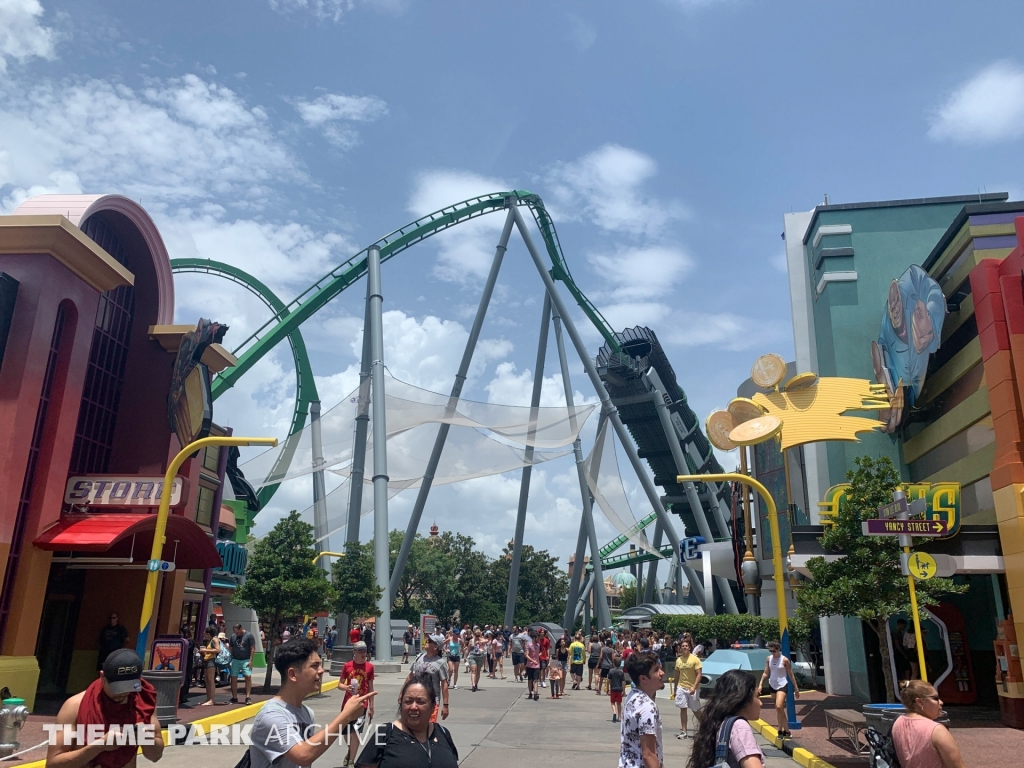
(845, 264)
(84, 382)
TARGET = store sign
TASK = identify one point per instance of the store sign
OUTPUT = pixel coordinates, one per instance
(121, 491)
(911, 331)
(941, 504)
(233, 556)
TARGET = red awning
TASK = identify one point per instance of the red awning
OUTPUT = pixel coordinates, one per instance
(131, 535)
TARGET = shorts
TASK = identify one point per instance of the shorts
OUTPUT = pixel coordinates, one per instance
(475, 661)
(532, 673)
(576, 669)
(454, 658)
(687, 700)
(543, 663)
(356, 725)
(240, 667)
(408, 647)
(564, 665)
(615, 696)
(518, 658)
(604, 672)
(592, 664)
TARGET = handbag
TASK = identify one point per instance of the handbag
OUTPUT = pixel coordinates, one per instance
(722, 748)
(882, 750)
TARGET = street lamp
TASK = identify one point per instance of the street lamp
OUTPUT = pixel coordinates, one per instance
(159, 533)
(780, 593)
(327, 554)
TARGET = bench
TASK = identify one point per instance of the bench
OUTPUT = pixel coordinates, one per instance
(851, 723)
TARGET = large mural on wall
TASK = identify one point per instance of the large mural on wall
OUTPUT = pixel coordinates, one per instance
(911, 331)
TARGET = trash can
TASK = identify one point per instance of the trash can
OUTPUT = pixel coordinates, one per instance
(882, 716)
(167, 686)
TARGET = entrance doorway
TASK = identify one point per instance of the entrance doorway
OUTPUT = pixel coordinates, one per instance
(55, 643)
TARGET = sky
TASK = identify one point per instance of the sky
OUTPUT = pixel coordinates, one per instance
(666, 137)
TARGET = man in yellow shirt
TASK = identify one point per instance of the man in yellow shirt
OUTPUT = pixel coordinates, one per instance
(687, 678)
(577, 657)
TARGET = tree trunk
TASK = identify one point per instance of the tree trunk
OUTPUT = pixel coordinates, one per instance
(270, 652)
(881, 627)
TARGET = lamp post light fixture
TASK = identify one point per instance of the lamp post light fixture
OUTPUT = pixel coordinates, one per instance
(159, 533)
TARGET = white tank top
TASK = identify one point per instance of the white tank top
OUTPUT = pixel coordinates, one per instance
(777, 678)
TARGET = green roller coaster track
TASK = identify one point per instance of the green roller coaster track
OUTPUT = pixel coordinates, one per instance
(287, 318)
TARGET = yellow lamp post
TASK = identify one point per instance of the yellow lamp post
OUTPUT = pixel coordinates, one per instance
(780, 592)
(159, 534)
(327, 554)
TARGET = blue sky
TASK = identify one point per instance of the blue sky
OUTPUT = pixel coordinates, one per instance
(668, 137)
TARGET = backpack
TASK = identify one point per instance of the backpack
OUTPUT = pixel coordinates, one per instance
(722, 747)
(883, 751)
(223, 658)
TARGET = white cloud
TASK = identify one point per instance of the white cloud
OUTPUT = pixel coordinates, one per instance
(333, 112)
(987, 108)
(22, 37)
(176, 140)
(641, 273)
(726, 330)
(605, 187)
(581, 32)
(322, 10)
(508, 387)
(465, 252)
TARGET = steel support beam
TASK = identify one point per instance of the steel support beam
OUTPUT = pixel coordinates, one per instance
(453, 401)
(658, 396)
(380, 459)
(607, 406)
(355, 490)
(524, 485)
(652, 569)
(319, 490)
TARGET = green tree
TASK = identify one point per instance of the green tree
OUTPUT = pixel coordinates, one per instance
(867, 583)
(281, 579)
(627, 596)
(543, 585)
(355, 584)
(414, 585)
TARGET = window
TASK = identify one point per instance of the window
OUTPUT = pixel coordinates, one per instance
(204, 506)
(211, 459)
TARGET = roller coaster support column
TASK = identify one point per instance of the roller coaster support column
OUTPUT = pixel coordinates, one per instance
(691, 492)
(524, 485)
(587, 530)
(652, 570)
(606, 403)
(319, 491)
(381, 556)
(355, 490)
(453, 402)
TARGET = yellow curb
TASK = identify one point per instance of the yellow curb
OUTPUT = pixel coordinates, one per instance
(208, 724)
(799, 754)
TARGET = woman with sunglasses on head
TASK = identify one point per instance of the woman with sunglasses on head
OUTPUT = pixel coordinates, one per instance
(778, 671)
(736, 695)
(412, 741)
(920, 741)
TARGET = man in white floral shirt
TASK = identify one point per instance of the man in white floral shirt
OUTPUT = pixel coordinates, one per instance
(641, 720)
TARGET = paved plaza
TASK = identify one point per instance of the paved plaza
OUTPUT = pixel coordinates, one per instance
(487, 724)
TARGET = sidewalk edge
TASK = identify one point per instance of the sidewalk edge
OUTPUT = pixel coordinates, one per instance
(228, 718)
(804, 757)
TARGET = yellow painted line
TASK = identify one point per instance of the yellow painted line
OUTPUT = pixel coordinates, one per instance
(802, 756)
(229, 718)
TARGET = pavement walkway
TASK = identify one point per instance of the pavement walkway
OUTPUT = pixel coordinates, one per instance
(487, 724)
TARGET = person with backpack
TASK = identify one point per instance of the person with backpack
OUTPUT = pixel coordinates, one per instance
(919, 741)
(724, 735)
(606, 659)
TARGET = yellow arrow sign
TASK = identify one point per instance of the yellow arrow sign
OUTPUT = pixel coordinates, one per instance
(922, 566)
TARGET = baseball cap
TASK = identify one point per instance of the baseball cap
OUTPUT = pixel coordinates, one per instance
(359, 646)
(436, 639)
(123, 672)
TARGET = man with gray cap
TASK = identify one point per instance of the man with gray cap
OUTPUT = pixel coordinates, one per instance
(431, 663)
(121, 698)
